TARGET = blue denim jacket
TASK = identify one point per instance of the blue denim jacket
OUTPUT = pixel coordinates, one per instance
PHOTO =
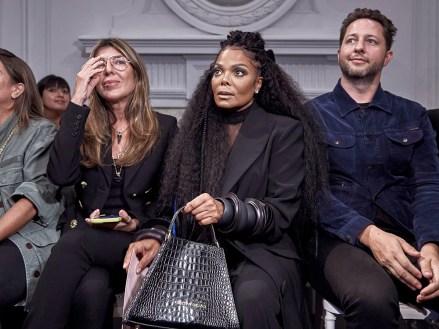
(382, 155)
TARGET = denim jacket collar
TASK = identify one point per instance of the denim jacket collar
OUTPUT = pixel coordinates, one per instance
(346, 103)
(6, 127)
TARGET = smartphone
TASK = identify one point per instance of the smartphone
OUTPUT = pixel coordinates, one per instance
(106, 219)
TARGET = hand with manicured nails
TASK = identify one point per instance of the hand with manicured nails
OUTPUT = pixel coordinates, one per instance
(145, 251)
(205, 209)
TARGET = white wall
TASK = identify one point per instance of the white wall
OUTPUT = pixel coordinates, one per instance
(53, 35)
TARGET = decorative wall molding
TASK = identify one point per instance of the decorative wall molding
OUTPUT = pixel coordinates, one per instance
(304, 38)
(38, 36)
(13, 16)
(177, 54)
(221, 16)
(174, 66)
(204, 45)
(25, 30)
(179, 51)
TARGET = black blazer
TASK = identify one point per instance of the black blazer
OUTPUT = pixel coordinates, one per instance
(92, 185)
(266, 163)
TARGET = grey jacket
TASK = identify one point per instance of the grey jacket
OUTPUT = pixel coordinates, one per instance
(23, 174)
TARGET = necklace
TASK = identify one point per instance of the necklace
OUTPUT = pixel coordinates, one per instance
(119, 133)
(117, 171)
(8, 138)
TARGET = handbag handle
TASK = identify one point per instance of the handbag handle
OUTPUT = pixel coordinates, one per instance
(174, 218)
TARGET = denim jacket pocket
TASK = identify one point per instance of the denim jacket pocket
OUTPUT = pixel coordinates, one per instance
(9, 181)
(401, 146)
(11, 176)
(341, 151)
(40, 236)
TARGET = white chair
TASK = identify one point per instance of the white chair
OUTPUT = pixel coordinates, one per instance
(407, 312)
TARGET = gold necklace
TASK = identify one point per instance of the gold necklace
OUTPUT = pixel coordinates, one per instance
(118, 172)
(8, 138)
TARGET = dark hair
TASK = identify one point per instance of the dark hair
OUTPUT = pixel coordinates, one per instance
(389, 30)
(29, 104)
(279, 94)
(51, 81)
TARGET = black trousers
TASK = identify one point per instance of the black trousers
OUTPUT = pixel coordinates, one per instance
(12, 275)
(260, 304)
(92, 304)
(12, 279)
(78, 280)
(256, 298)
(350, 278)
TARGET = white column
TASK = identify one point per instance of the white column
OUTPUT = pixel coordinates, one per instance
(425, 52)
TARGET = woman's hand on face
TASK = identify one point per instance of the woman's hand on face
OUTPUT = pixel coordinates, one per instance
(205, 209)
(87, 79)
(127, 224)
(145, 251)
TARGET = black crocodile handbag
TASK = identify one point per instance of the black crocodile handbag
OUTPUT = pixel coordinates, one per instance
(187, 286)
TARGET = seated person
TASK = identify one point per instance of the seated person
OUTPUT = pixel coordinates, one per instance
(246, 125)
(112, 152)
(380, 226)
(29, 210)
(55, 93)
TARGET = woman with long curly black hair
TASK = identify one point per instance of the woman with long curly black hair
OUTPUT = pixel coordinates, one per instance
(248, 160)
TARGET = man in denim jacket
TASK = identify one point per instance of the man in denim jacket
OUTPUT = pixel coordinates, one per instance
(380, 227)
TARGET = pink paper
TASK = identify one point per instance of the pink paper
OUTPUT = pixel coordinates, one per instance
(133, 280)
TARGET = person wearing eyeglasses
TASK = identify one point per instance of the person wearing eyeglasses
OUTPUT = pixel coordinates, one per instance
(29, 209)
(111, 151)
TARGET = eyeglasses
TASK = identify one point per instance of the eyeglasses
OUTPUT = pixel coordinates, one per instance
(7, 53)
(120, 63)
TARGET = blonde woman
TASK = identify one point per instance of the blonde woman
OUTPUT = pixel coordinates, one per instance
(112, 152)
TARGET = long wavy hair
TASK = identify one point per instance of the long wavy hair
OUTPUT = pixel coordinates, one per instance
(197, 157)
(29, 104)
(142, 120)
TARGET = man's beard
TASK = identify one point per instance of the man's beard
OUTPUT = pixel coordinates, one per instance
(366, 75)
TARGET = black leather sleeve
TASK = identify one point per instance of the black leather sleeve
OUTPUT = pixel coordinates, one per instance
(150, 233)
(247, 218)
